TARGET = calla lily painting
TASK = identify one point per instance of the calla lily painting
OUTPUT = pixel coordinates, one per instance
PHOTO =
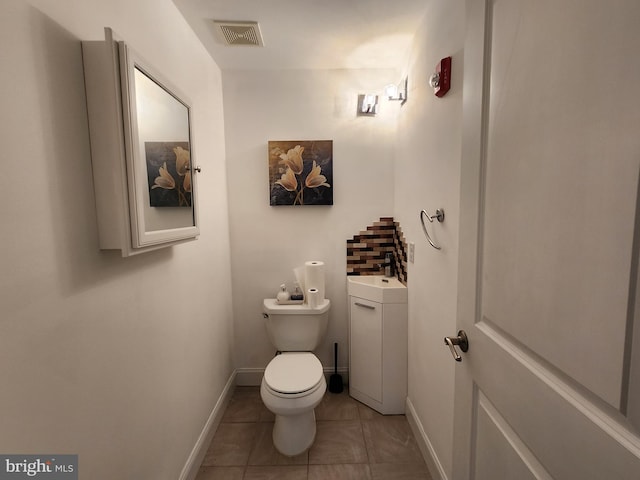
(168, 173)
(301, 172)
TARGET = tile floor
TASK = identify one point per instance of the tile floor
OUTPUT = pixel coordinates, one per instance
(353, 442)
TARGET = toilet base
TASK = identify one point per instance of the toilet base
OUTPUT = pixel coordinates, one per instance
(294, 430)
(294, 434)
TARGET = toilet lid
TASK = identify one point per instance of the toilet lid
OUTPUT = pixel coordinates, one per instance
(293, 372)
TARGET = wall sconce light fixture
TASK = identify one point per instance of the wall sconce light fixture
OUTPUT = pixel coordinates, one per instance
(397, 92)
(367, 105)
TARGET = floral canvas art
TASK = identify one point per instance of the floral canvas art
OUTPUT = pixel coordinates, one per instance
(169, 173)
(301, 172)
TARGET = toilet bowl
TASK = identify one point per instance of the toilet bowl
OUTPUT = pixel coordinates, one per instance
(292, 386)
(293, 383)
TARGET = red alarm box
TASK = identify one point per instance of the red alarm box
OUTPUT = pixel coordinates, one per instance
(441, 80)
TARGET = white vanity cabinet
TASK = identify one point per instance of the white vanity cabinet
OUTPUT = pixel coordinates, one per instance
(378, 354)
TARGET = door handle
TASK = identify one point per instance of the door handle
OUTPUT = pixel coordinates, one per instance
(370, 307)
(461, 340)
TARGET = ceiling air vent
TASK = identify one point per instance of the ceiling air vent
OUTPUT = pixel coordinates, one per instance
(239, 33)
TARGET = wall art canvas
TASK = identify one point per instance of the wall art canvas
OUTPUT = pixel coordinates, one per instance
(301, 172)
(168, 173)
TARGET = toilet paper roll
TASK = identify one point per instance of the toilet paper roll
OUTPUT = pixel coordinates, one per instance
(314, 278)
(312, 297)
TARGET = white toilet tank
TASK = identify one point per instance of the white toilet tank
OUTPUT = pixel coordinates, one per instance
(295, 328)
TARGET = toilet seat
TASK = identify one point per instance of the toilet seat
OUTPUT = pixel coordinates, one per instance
(293, 374)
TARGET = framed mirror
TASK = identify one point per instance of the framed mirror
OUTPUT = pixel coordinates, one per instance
(141, 151)
(158, 141)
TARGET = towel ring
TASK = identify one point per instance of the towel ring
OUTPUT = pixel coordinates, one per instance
(438, 216)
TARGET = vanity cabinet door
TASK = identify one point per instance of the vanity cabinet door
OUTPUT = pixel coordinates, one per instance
(365, 356)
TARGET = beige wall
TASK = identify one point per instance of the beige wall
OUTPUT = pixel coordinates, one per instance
(427, 172)
(118, 360)
(267, 243)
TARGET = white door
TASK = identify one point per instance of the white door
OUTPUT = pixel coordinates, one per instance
(549, 242)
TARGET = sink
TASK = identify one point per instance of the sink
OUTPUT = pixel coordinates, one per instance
(377, 288)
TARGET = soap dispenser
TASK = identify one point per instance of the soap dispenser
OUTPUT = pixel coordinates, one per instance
(297, 296)
(388, 266)
(283, 294)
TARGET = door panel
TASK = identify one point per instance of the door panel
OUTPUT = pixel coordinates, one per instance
(516, 459)
(572, 435)
(560, 190)
(550, 165)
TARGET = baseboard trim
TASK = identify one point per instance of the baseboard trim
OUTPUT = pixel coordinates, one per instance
(191, 467)
(249, 377)
(252, 377)
(428, 452)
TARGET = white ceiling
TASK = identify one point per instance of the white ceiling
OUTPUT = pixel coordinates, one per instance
(310, 34)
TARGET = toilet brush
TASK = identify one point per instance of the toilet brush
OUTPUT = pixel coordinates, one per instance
(335, 381)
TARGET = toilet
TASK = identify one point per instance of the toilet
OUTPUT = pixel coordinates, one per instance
(293, 383)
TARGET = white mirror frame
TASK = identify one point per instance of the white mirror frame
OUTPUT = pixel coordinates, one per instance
(170, 224)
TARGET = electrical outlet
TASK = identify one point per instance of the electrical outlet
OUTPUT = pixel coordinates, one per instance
(412, 252)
